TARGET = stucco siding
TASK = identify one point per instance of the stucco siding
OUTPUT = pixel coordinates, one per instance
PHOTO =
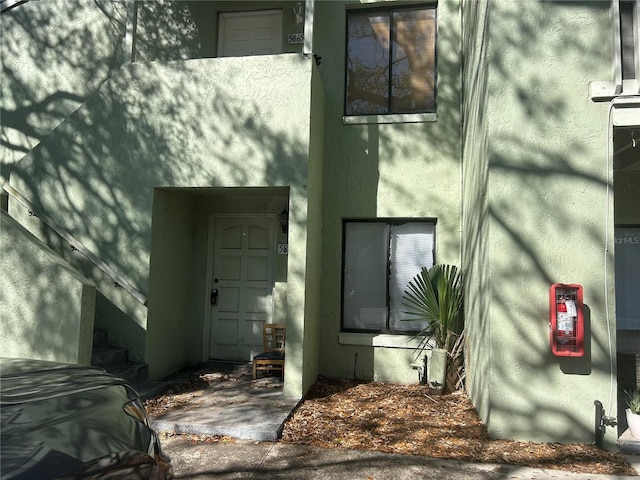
(476, 260)
(179, 124)
(401, 170)
(54, 55)
(189, 29)
(548, 217)
(47, 309)
(214, 123)
(313, 322)
(135, 160)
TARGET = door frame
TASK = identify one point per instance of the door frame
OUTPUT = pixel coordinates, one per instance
(206, 339)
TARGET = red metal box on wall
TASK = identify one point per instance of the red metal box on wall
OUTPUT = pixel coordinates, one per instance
(566, 320)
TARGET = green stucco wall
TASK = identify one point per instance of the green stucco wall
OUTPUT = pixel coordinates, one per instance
(54, 55)
(514, 169)
(475, 40)
(144, 129)
(161, 127)
(170, 286)
(47, 309)
(189, 29)
(384, 170)
(313, 323)
(236, 122)
(537, 212)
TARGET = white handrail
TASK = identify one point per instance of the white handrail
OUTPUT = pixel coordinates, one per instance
(76, 245)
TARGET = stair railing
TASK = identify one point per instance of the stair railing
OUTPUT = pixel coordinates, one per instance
(119, 280)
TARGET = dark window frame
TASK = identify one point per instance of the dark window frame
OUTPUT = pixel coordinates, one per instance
(389, 221)
(628, 38)
(390, 10)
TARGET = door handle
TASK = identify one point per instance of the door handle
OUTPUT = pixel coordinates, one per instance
(214, 296)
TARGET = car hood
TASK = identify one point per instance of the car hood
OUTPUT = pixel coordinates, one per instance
(58, 418)
(25, 380)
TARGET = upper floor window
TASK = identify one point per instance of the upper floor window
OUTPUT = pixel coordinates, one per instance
(626, 49)
(391, 61)
(630, 38)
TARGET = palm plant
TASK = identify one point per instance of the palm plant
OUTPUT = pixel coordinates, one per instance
(435, 295)
(634, 401)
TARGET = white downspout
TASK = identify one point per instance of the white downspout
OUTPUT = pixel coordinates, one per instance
(129, 32)
(307, 47)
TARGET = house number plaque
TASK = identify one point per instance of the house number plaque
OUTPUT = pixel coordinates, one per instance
(294, 38)
(283, 249)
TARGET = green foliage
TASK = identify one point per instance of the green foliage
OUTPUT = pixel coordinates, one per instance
(436, 295)
(634, 401)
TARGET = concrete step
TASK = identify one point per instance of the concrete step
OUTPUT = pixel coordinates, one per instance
(134, 373)
(151, 388)
(100, 339)
(628, 444)
(107, 356)
(116, 360)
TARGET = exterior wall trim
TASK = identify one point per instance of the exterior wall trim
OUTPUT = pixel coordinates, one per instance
(399, 118)
(379, 340)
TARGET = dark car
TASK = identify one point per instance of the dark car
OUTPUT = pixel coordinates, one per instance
(73, 421)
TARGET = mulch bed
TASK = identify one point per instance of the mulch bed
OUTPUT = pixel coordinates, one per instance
(406, 419)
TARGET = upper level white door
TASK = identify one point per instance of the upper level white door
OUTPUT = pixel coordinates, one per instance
(250, 33)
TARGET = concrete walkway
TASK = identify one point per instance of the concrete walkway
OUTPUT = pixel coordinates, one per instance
(269, 461)
(232, 405)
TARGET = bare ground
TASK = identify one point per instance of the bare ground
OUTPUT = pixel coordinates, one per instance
(406, 419)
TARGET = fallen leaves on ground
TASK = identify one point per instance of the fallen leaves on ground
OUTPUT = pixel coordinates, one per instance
(403, 419)
(197, 438)
(406, 419)
(176, 397)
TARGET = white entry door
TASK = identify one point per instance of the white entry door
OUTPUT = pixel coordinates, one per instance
(250, 33)
(242, 280)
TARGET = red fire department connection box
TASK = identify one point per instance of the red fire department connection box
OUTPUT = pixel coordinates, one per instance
(566, 320)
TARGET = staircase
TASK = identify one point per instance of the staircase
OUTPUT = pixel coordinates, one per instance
(116, 360)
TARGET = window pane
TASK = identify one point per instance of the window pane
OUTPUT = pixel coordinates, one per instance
(628, 38)
(413, 62)
(412, 246)
(367, 63)
(627, 278)
(365, 276)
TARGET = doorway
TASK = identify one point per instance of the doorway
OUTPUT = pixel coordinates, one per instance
(626, 181)
(242, 280)
(626, 175)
